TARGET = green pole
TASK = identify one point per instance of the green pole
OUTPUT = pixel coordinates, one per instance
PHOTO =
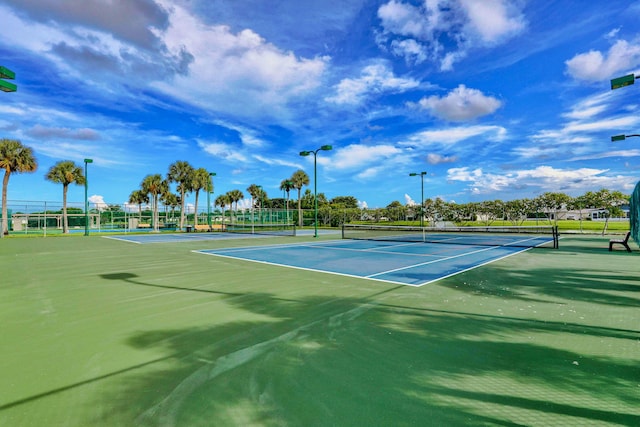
(315, 181)
(86, 196)
(422, 174)
(209, 191)
(315, 193)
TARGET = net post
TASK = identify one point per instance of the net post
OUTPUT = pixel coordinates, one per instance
(556, 237)
(343, 230)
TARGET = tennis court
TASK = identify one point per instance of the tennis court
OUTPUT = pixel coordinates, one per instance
(413, 264)
(101, 332)
(400, 255)
(253, 231)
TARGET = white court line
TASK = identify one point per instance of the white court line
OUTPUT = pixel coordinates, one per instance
(305, 268)
(121, 239)
(434, 261)
(470, 268)
(326, 245)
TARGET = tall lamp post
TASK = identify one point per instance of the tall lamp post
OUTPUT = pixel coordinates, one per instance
(634, 211)
(421, 174)
(209, 191)
(315, 181)
(86, 196)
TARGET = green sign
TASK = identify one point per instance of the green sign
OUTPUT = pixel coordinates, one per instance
(617, 138)
(6, 73)
(7, 87)
(623, 81)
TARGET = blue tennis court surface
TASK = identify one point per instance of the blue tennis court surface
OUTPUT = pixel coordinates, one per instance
(182, 237)
(413, 264)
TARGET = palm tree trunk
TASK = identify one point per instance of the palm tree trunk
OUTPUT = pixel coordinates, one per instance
(65, 222)
(299, 209)
(4, 219)
(156, 216)
(182, 210)
(195, 219)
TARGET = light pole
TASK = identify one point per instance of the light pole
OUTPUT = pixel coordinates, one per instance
(209, 190)
(86, 196)
(422, 174)
(315, 181)
(634, 211)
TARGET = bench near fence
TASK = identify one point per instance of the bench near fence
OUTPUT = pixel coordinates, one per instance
(206, 227)
(624, 242)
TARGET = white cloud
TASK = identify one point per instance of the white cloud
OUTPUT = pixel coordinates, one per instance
(460, 104)
(276, 161)
(230, 68)
(437, 159)
(450, 136)
(358, 155)
(408, 201)
(410, 49)
(375, 78)
(608, 154)
(546, 178)
(228, 152)
(42, 132)
(581, 136)
(596, 66)
(407, 20)
(444, 30)
(98, 202)
(493, 20)
(599, 125)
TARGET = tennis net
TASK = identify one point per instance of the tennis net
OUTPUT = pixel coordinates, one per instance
(518, 236)
(267, 229)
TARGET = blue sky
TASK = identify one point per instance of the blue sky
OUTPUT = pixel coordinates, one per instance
(495, 99)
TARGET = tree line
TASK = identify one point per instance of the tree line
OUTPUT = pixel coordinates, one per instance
(156, 188)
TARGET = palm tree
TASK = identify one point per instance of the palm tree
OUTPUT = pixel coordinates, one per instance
(201, 181)
(65, 172)
(181, 172)
(171, 201)
(287, 185)
(299, 180)
(222, 201)
(155, 185)
(256, 194)
(14, 157)
(255, 191)
(235, 196)
(138, 197)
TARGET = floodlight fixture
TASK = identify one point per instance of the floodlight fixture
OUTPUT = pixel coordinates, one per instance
(315, 181)
(6, 73)
(623, 81)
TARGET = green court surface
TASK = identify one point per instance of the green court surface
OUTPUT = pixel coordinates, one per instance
(100, 332)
